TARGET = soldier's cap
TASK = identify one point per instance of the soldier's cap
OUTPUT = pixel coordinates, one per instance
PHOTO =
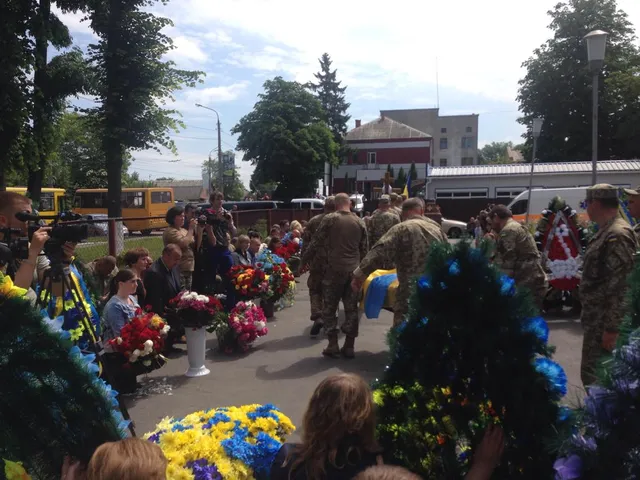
(602, 190)
(384, 200)
(631, 192)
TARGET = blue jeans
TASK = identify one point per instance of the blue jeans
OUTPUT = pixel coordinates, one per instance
(221, 263)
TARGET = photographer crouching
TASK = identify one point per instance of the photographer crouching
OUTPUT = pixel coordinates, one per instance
(213, 255)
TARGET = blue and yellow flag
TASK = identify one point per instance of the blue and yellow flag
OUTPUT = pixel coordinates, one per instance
(407, 187)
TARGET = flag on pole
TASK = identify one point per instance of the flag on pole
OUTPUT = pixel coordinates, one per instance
(407, 187)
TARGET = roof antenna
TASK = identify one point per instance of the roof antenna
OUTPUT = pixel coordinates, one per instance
(437, 86)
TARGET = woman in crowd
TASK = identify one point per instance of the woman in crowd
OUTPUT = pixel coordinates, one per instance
(185, 239)
(296, 225)
(274, 244)
(138, 261)
(241, 255)
(338, 437)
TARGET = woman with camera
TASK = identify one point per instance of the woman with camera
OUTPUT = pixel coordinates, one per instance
(185, 239)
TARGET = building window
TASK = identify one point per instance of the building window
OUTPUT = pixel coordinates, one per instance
(443, 162)
(469, 129)
(462, 193)
(371, 158)
(444, 143)
(508, 192)
(467, 142)
(467, 161)
(443, 130)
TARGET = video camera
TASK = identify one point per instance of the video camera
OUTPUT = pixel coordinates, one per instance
(205, 217)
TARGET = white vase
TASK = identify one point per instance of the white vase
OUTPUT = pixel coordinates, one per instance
(196, 342)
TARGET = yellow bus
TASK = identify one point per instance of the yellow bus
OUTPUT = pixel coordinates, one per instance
(51, 200)
(136, 203)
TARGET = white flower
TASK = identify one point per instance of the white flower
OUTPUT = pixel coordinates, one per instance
(260, 325)
(136, 352)
(165, 329)
(119, 340)
(148, 343)
(202, 298)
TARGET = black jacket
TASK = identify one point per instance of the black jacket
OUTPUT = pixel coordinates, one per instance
(162, 285)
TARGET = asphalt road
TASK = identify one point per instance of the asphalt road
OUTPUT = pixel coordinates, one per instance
(284, 367)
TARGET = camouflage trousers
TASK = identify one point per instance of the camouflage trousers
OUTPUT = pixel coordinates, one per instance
(314, 282)
(336, 286)
(592, 350)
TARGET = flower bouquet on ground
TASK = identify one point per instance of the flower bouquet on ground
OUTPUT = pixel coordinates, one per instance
(277, 272)
(233, 443)
(248, 282)
(141, 342)
(194, 310)
(244, 324)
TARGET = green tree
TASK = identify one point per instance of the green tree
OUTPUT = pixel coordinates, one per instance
(401, 180)
(133, 82)
(286, 138)
(413, 173)
(390, 170)
(233, 186)
(332, 98)
(472, 352)
(133, 181)
(16, 61)
(494, 152)
(557, 86)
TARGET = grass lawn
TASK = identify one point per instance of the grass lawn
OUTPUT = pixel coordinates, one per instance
(96, 247)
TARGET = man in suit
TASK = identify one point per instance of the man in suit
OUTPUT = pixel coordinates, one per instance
(162, 282)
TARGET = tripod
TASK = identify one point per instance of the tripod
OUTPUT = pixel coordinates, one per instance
(61, 273)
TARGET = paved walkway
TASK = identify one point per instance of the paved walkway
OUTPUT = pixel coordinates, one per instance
(284, 367)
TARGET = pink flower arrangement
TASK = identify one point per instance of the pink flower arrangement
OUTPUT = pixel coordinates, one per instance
(248, 322)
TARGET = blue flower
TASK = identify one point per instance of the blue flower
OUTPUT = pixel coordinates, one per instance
(564, 413)
(537, 326)
(424, 283)
(155, 438)
(178, 427)
(264, 411)
(554, 373)
(454, 267)
(203, 471)
(217, 418)
(507, 286)
(569, 468)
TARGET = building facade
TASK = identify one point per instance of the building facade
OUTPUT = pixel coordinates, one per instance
(462, 192)
(455, 137)
(375, 146)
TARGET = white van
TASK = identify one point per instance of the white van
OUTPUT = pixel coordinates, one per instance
(540, 199)
(307, 204)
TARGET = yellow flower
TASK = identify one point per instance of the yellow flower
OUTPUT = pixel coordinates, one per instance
(15, 470)
(8, 289)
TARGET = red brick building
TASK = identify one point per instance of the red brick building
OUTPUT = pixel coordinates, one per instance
(377, 145)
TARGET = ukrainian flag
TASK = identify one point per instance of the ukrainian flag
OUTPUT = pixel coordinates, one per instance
(407, 187)
(379, 291)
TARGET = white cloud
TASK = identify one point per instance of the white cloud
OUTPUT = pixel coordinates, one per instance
(187, 51)
(480, 46)
(226, 93)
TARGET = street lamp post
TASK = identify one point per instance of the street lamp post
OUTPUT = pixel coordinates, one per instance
(596, 45)
(536, 129)
(221, 187)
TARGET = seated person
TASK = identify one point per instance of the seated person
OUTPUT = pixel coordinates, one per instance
(241, 256)
(122, 305)
(103, 270)
(139, 261)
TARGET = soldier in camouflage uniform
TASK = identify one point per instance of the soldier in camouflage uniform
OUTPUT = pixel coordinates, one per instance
(396, 204)
(340, 243)
(607, 263)
(406, 246)
(634, 208)
(516, 253)
(381, 221)
(316, 270)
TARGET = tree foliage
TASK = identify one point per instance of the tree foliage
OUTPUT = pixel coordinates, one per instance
(401, 179)
(16, 50)
(332, 98)
(413, 173)
(233, 186)
(557, 86)
(286, 138)
(494, 152)
(132, 82)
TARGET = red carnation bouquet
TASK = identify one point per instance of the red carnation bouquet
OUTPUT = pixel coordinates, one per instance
(288, 250)
(280, 281)
(247, 322)
(141, 341)
(194, 310)
(249, 282)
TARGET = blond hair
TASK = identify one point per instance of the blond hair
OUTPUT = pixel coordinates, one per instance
(386, 472)
(128, 459)
(295, 225)
(341, 407)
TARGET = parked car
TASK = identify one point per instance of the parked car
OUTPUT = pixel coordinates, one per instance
(307, 204)
(453, 228)
(101, 229)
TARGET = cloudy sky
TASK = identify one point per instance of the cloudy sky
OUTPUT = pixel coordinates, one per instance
(387, 55)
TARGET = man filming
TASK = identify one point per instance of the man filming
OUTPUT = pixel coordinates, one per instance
(28, 271)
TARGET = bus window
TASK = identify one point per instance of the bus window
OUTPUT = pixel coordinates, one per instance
(132, 199)
(161, 197)
(46, 202)
(90, 200)
(519, 208)
(61, 204)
